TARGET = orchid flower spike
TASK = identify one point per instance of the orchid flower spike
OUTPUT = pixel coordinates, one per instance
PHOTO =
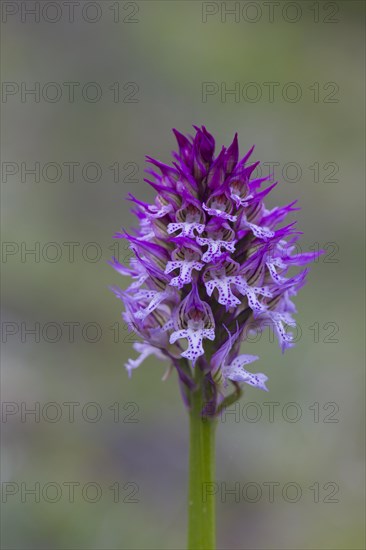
(210, 261)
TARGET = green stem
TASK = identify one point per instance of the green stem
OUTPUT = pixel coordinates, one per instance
(202, 487)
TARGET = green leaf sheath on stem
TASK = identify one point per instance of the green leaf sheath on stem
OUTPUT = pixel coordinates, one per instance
(202, 486)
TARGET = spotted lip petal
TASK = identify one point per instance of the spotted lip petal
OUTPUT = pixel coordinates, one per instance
(219, 213)
(225, 294)
(194, 335)
(187, 229)
(145, 350)
(257, 380)
(186, 268)
(214, 248)
(208, 259)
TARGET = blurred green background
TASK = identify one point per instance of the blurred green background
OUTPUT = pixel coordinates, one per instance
(139, 437)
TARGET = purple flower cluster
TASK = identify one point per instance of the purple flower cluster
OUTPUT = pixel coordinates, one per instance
(210, 263)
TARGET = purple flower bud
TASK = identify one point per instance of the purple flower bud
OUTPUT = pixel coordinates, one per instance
(210, 262)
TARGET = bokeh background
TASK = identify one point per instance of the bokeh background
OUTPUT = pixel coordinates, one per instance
(138, 441)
